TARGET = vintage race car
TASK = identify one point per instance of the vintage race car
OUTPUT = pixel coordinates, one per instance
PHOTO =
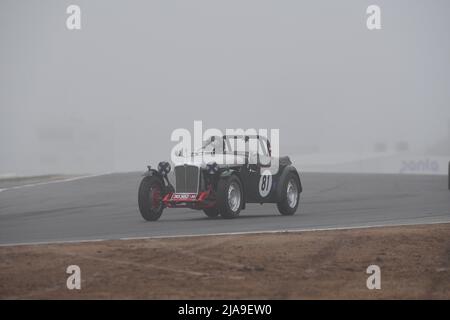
(220, 180)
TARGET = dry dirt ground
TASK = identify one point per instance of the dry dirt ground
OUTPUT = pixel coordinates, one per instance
(414, 262)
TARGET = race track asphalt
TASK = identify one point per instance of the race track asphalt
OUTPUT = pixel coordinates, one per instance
(105, 207)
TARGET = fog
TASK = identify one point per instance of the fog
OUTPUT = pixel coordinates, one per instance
(107, 97)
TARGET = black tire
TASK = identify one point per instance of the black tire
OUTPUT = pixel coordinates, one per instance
(223, 203)
(151, 209)
(211, 212)
(285, 205)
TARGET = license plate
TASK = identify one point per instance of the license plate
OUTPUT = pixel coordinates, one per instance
(184, 196)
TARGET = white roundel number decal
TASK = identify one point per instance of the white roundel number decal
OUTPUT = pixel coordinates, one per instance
(265, 184)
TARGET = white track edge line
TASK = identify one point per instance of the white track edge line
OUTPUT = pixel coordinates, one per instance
(225, 234)
(55, 181)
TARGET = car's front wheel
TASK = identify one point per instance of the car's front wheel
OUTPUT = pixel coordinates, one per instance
(229, 197)
(151, 192)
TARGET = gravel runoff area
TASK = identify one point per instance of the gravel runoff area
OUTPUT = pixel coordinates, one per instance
(414, 263)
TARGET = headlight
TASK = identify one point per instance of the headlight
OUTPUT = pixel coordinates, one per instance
(212, 167)
(164, 168)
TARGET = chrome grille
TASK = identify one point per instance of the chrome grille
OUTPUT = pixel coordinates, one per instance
(187, 179)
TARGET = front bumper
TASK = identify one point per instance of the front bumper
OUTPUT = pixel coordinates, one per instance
(201, 200)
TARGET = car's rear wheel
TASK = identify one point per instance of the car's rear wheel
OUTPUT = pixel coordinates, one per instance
(229, 197)
(151, 192)
(211, 212)
(290, 195)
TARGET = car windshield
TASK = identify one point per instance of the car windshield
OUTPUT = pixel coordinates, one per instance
(212, 145)
(233, 144)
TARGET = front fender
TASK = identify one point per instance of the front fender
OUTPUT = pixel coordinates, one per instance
(228, 173)
(166, 183)
(152, 172)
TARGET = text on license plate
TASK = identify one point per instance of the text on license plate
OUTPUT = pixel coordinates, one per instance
(184, 196)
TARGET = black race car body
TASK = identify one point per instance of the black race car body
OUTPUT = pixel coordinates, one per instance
(220, 180)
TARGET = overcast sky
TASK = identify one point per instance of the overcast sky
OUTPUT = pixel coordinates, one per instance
(108, 96)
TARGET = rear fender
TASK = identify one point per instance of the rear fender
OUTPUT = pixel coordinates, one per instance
(282, 178)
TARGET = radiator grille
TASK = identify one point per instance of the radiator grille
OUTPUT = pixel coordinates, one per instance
(186, 179)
